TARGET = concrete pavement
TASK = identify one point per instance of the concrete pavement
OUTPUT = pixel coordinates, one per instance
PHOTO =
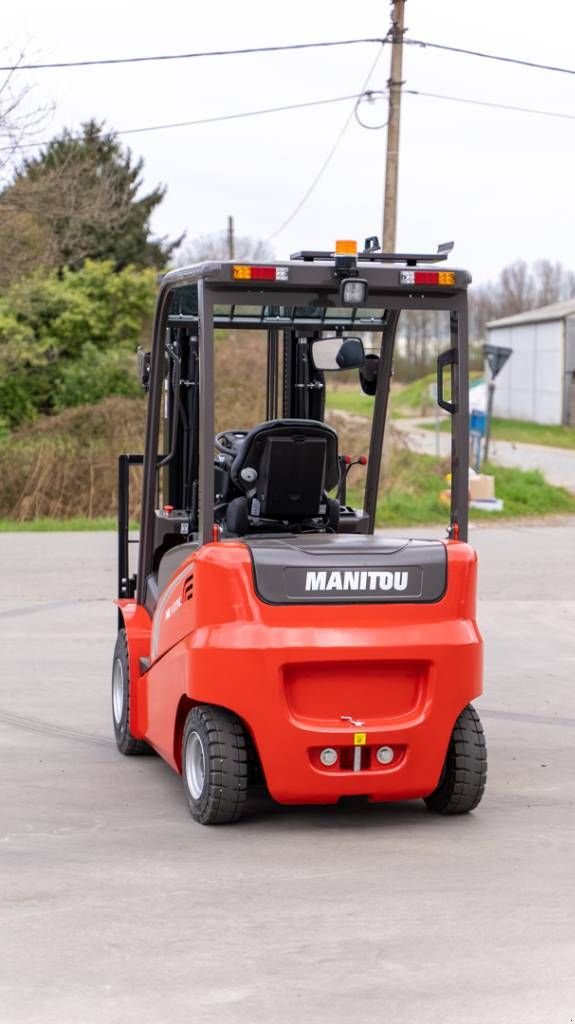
(116, 907)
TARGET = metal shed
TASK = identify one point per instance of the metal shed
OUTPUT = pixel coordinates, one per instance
(538, 382)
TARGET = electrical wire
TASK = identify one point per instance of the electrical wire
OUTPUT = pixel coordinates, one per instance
(486, 103)
(235, 117)
(423, 43)
(322, 44)
(488, 56)
(188, 56)
(209, 120)
(358, 97)
(371, 95)
(332, 151)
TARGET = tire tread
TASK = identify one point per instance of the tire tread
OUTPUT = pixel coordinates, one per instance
(224, 800)
(126, 743)
(464, 776)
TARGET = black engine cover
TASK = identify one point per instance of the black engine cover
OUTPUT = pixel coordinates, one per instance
(344, 569)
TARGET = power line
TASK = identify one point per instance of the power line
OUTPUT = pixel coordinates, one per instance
(358, 97)
(322, 44)
(187, 56)
(331, 154)
(370, 96)
(235, 117)
(486, 103)
(206, 120)
(489, 56)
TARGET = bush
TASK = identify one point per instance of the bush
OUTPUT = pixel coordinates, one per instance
(94, 376)
(92, 316)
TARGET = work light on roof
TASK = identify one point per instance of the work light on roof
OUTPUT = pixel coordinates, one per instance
(353, 291)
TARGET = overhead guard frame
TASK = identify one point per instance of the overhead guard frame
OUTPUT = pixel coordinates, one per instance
(310, 285)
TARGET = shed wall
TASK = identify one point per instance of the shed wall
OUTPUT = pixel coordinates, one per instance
(531, 385)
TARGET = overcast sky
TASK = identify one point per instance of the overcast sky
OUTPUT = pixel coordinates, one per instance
(500, 183)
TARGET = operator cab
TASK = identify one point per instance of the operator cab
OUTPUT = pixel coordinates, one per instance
(282, 472)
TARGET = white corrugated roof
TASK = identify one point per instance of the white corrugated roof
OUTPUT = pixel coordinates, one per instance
(556, 311)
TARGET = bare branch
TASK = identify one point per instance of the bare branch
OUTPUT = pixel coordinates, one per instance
(20, 124)
(215, 247)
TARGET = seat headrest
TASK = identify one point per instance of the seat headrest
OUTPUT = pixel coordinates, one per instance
(255, 444)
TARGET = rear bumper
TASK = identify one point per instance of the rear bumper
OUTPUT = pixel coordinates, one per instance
(406, 684)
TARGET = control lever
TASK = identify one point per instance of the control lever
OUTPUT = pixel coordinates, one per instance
(345, 464)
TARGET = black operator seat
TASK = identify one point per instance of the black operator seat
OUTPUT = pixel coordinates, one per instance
(284, 469)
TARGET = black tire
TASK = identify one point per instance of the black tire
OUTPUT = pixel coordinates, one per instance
(126, 743)
(214, 765)
(464, 773)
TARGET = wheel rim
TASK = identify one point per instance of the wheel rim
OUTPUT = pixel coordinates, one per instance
(118, 691)
(195, 765)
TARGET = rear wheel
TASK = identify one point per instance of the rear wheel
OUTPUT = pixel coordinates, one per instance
(126, 743)
(464, 773)
(214, 765)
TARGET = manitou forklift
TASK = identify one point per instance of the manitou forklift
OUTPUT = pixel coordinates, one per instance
(269, 632)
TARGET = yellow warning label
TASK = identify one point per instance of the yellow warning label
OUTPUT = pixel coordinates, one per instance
(359, 739)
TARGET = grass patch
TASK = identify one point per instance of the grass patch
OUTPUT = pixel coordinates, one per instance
(524, 432)
(349, 399)
(410, 498)
(407, 400)
(415, 399)
(413, 497)
(526, 493)
(47, 525)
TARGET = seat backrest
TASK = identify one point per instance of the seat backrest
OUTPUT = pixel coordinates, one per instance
(285, 467)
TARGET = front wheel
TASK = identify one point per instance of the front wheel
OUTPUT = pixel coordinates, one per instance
(214, 765)
(464, 773)
(126, 743)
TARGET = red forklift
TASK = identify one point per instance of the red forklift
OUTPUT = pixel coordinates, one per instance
(268, 631)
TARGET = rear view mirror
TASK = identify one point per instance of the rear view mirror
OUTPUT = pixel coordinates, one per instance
(368, 374)
(337, 353)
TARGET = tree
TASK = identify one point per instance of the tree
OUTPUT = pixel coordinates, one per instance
(519, 288)
(79, 199)
(18, 123)
(215, 247)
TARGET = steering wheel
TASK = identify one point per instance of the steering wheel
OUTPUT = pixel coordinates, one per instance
(228, 441)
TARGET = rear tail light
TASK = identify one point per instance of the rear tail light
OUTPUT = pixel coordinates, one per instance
(445, 277)
(245, 272)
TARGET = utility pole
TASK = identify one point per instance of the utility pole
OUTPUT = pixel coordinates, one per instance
(231, 253)
(392, 157)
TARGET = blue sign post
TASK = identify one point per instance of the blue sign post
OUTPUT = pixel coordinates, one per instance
(477, 428)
